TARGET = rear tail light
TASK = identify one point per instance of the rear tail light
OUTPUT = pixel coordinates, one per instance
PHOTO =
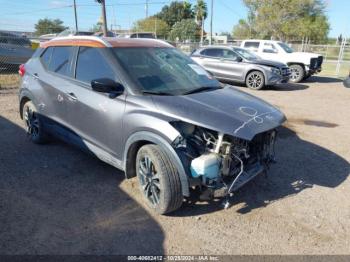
(22, 70)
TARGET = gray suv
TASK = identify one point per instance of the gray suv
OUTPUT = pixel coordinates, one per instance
(242, 66)
(144, 107)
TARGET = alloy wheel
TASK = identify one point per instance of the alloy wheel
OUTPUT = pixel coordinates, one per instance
(32, 122)
(254, 80)
(295, 73)
(149, 180)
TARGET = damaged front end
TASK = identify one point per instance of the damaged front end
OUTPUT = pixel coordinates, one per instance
(220, 164)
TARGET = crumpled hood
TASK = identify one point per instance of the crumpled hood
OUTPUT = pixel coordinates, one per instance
(226, 110)
(267, 63)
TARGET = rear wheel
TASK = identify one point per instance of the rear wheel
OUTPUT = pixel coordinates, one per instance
(255, 80)
(158, 179)
(297, 73)
(33, 124)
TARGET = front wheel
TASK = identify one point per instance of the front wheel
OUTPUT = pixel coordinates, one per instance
(297, 73)
(255, 80)
(159, 179)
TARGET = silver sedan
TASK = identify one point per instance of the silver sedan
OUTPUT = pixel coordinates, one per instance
(240, 65)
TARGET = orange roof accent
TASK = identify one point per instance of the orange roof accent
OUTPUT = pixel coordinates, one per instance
(72, 42)
(104, 42)
(135, 42)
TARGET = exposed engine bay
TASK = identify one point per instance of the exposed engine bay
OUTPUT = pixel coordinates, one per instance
(222, 163)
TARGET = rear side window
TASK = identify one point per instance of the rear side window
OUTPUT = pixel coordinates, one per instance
(270, 48)
(92, 65)
(60, 60)
(212, 52)
(46, 57)
(254, 46)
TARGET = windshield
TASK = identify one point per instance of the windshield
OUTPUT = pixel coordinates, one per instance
(286, 48)
(246, 54)
(164, 71)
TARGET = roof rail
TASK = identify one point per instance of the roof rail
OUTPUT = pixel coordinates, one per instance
(72, 39)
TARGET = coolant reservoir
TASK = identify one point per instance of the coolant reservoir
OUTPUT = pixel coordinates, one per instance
(207, 165)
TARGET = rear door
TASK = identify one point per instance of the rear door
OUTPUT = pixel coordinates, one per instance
(95, 117)
(210, 59)
(222, 62)
(55, 79)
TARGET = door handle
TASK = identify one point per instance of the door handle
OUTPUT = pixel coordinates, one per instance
(71, 96)
(36, 76)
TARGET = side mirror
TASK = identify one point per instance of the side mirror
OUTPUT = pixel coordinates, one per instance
(239, 59)
(106, 85)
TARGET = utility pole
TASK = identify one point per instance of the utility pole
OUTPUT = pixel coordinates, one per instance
(146, 8)
(75, 16)
(103, 6)
(211, 22)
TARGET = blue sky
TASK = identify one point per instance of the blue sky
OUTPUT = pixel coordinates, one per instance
(23, 14)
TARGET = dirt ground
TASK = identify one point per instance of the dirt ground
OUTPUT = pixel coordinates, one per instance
(55, 199)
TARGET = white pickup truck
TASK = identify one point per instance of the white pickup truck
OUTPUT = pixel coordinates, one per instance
(301, 64)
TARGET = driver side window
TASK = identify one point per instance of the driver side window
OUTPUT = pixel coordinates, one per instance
(92, 65)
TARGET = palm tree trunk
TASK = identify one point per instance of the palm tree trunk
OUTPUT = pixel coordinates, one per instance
(202, 31)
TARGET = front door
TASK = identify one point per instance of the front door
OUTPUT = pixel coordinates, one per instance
(95, 118)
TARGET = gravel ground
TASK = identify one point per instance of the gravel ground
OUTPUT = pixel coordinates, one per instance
(55, 199)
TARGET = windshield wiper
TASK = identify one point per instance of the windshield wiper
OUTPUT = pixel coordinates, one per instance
(202, 89)
(156, 93)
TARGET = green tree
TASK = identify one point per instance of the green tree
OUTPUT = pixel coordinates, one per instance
(49, 26)
(175, 12)
(186, 29)
(201, 12)
(285, 20)
(152, 24)
(243, 30)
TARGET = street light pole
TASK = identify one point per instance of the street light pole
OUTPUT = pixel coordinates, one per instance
(75, 16)
(211, 22)
(103, 6)
(146, 8)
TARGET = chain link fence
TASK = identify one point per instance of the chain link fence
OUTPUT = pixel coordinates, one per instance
(336, 57)
(16, 49)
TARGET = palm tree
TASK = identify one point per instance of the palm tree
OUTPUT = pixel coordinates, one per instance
(201, 13)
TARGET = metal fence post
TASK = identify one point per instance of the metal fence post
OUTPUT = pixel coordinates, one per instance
(340, 56)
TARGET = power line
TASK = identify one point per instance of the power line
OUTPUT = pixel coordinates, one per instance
(39, 10)
(229, 8)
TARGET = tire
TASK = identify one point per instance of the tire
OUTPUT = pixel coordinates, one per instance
(297, 73)
(33, 124)
(255, 80)
(159, 180)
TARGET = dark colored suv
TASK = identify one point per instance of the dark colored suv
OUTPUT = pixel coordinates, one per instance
(151, 111)
(14, 50)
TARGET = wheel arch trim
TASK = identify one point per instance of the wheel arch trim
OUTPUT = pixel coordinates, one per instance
(24, 97)
(146, 136)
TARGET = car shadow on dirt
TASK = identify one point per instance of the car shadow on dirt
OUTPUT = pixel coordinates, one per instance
(280, 87)
(300, 165)
(287, 87)
(323, 79)
(56, 199)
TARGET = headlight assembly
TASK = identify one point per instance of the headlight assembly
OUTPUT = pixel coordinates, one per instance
(275, 71)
